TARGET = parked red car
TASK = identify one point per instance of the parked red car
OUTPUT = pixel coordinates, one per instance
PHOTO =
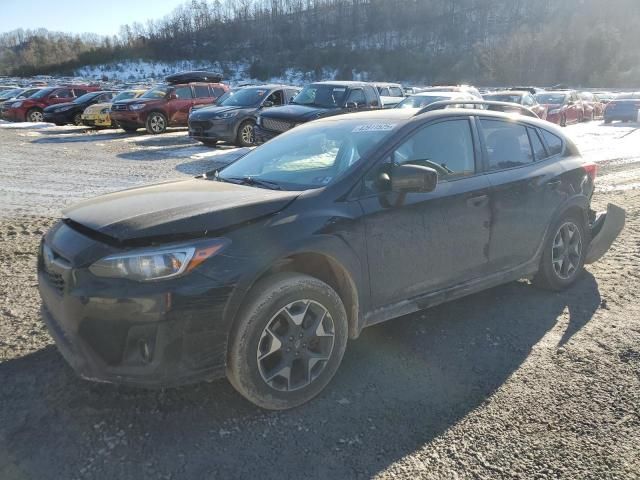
(165, 106)
(521, 97)
(30, 109)
(563, 106)
(593, 107)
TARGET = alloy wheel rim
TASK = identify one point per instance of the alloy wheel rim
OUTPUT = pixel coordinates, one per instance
(247, 134)
(566, 250)
(157, 123)
(37, 116)
(296, 345)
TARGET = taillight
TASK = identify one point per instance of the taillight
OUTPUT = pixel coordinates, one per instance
(591, 170)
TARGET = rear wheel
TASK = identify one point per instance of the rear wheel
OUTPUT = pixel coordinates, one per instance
(245, 134)
(288, 341)
(563, 255)
(156, 123)
(563, 121)
(35, 115)
(77, 119)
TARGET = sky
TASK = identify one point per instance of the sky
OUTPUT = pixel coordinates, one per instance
(103, 17)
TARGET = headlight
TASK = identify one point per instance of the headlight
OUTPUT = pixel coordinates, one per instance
(227, 115)
(136, 106)
(104, 111)
(259, 121)
(157, 263)
(16, 105)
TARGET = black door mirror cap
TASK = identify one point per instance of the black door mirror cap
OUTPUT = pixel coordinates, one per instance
(351, 105)
(267, 104)
(409, 178)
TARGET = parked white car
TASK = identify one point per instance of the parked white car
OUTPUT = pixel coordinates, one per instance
(390, 94)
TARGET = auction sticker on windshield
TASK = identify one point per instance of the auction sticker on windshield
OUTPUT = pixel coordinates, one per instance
(374, 127)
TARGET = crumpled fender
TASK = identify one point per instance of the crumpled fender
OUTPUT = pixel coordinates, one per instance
(604, 232)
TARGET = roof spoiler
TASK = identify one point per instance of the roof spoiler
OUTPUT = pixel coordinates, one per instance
(478, 105)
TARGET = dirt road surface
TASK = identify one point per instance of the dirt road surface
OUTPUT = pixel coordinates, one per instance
(509, 383)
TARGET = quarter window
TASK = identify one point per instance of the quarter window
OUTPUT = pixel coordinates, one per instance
(554, 143)
(395, 92)
(371, 96)
(202, 91)
(183, 93)
(538, 148)
(507, 144)
(357, 96)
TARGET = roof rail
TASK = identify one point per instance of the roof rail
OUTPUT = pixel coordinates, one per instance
(478, 104)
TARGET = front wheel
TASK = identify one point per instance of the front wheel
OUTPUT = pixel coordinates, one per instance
(245, 134)
(156, 123)
(563, 255)
(288, 341)
(35, 115)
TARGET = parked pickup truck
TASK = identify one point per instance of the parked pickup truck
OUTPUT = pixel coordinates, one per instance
(317, 100)
(167, 105)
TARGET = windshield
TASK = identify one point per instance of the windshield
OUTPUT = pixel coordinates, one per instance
(43, 93)
(125, 96)
(503, 97)
(10, 93)
(86, 97)
(310, 156)
(245, 97)
(419, 101)
(551, 98)
(326, 96)
(157, 92)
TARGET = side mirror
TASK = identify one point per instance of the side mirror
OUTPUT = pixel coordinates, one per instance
(53, 97)
(267, 104)
(413, 179)
(351, 105)
(173, 96)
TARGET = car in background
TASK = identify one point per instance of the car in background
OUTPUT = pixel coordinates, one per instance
(531, 90)
(10, 96)
(71, 112)
(31, 109)
(521, 97)
(166, 105)
(233, 118)
(420, 100)
(411, 90)
(593, 107)
(563, 106)
(454, 88)
(390, 93)
(263, 270)
(317, 100)
(99, 114)
(624, 108)
(605, 97)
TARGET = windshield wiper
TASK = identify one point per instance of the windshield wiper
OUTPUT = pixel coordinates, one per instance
(252, 181)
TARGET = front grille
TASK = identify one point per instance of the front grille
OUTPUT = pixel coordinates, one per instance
(199, 124)
(55, 280)
(119, 108)
(276, 125)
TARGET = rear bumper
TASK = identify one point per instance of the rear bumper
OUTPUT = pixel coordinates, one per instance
(604, 232)
(96, 120)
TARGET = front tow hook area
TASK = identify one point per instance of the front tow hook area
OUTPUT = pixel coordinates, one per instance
(604, 232)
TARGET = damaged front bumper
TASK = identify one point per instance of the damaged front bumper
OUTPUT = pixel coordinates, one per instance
(604, 232)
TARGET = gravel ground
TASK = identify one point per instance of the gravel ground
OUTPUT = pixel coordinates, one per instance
(509, 383)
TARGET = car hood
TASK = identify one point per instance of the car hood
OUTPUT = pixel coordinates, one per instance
(176, 210)
(206, 113)
(129, 101)
(59, 106)
(298, 112)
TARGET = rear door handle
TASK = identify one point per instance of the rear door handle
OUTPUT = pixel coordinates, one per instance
(478, 201)
(554, 183)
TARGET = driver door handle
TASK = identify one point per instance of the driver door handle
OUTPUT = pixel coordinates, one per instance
(478, 201)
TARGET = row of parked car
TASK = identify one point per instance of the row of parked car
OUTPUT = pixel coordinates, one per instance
(252, 114)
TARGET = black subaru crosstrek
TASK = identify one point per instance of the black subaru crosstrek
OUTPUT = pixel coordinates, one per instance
(232, 118)
(263, 270)
(317, 100)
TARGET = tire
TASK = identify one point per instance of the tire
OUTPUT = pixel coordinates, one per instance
(130, 129)
(561, 265)
(209, 143)
(255, 360)
(245, 137)
(563, 121)
(77, 119)
(114, 124)
(156, 123)
(34, 115)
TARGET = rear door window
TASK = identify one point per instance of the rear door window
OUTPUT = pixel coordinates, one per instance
(202, 91)
(77, 91)
(217, 91)
(357, 96)
(395, 92)
(66, 93)
(370, 95)
(507, 144)
(554, 143)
